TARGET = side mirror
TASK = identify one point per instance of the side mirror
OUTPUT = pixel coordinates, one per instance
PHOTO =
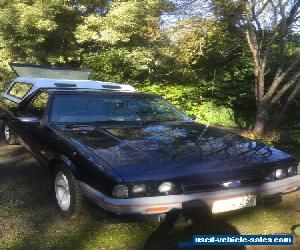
(193, 117)
(28, 119)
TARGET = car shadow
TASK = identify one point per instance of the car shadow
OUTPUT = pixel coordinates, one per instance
(171, 232)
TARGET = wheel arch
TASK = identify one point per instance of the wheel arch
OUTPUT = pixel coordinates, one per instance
(2, 122)
(62, 160)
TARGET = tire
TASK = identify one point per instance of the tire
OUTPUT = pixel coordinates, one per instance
(67, 191)
(9, 137)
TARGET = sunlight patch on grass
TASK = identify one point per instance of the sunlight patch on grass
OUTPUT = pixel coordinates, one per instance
(119, 236)
(297, 231)
(271, 219)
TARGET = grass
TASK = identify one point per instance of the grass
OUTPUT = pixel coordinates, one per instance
(29, 219)
(296, 230)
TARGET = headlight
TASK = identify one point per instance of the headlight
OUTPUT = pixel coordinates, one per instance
(279, 173)
(292, 171)
(270, 177)
(120, 191)
(139, 188)
(166, 187)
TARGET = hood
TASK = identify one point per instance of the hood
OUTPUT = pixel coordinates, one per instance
(178, 150)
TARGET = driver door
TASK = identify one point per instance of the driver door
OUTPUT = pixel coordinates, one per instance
(34, 134)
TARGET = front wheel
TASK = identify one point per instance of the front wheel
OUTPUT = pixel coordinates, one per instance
(67, 192)
(9, 137)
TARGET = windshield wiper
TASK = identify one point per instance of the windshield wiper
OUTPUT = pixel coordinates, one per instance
(116, 122)
(80, 127)
(134, 122)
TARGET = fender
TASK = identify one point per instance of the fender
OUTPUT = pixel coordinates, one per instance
(62, 159)
(68, 162)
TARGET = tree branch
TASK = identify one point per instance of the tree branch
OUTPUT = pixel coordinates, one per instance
(286, 105)
(279, 77)
(282, 28)
(255, 16)
(285, 88)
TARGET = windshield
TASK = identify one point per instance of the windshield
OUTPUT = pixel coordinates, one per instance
(83, 108)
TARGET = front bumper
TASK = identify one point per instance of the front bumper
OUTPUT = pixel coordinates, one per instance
(164, 204)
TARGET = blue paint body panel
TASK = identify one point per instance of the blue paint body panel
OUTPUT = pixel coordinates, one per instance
(187, 153)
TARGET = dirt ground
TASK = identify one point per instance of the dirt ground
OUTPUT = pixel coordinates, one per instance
(29, 219)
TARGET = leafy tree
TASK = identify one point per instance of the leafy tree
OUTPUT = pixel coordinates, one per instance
(190, 36)
(198, 58)
(220, 61)
(267, 26)
(127, 23)
(127, 42)
(38, 31)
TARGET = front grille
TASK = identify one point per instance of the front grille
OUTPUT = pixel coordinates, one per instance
(197, 188)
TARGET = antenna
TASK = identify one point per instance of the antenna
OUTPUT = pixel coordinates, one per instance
(207, 125)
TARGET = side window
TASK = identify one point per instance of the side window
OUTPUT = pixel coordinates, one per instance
(8, 103)
(19, 89)
(38, 105)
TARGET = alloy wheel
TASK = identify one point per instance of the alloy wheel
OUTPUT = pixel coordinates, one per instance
(62, 191)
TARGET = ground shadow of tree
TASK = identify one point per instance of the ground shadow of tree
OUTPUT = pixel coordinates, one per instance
(28, 209)
(29, 218)
(27, 193)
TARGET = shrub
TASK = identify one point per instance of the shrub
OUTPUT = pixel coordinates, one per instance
(190, 100)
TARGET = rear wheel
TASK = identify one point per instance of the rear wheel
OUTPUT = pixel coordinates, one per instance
(9, 137)
(67, 192)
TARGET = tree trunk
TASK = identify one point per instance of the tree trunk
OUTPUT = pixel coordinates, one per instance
(262, 110)
(261, 47)
(262, 118)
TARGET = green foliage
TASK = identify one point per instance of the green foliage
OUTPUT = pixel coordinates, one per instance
(297, 231)
(190, 37)
(200, 64)
(190, 100)
(122, 64)
(182, 96)
(38, 31)
(209, 112)
(133, 22)
(111, 65)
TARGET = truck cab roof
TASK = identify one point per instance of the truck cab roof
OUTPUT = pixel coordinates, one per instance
(23, 87)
